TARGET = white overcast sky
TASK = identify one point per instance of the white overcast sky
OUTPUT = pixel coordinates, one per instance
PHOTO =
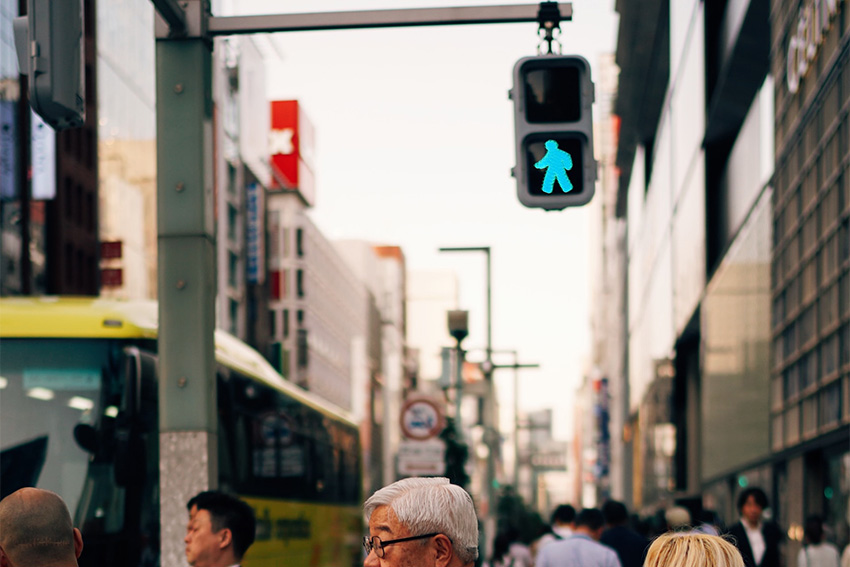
(414, 146)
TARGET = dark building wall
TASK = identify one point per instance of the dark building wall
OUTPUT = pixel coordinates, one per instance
(73, 244)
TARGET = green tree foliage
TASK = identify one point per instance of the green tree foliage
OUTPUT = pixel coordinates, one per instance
(512, 513)
(457, 454)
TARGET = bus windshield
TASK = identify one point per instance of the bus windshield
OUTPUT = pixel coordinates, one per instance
(61, 402)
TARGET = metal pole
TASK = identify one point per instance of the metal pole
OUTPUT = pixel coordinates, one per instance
(322, 21)
(458, 390)
(516, 422)
(186, 277)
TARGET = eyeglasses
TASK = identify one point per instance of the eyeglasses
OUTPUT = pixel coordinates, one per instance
(375, 544)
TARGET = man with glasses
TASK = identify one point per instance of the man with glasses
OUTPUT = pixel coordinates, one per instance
(421, 522)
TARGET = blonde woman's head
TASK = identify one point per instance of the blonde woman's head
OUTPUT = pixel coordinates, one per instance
(692, 550)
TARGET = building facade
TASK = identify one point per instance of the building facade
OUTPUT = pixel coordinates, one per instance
(733, 159)
(48, 180)
(810, 268)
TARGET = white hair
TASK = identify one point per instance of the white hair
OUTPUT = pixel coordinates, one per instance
(426, 505)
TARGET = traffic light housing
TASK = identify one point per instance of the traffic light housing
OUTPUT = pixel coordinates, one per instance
(51, 50)
(553, 116)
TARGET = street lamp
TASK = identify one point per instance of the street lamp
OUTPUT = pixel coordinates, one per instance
(458, 328)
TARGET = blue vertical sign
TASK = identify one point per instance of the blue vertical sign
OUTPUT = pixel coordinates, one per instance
(8, 149)
(253, 234)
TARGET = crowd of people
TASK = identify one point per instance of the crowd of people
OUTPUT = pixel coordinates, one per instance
(428, 522)
(610, 537)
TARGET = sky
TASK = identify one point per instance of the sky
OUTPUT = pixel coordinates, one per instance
(414, 147)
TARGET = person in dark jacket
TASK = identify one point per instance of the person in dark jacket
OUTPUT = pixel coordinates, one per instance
(630, 546)
(757, 539)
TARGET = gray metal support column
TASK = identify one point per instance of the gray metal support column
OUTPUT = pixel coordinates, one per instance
(187, 283)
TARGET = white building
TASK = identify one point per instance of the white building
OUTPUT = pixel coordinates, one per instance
(318, 306)
(382, 269)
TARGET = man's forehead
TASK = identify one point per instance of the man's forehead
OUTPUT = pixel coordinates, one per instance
(384, 520)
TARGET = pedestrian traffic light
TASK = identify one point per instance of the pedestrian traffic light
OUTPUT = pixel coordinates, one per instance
(51, 51)
(553, 101)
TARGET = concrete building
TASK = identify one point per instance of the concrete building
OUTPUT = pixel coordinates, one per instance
(810, 266)
(317, 305)
(733, 161)
(242, 176)
(608, 276)
(382, 269)
(48, 180)
(695, 157)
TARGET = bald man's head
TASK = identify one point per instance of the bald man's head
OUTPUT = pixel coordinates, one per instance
(36, 529)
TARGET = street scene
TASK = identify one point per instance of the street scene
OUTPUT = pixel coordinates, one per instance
(354, 282)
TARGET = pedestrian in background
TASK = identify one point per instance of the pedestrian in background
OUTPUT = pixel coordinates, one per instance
(678, 518)
(221, 529)
(582, 549)
(418, 522)
(36, 531)
(509, 551)
(757, 539)
(561, 527)
(816, 552)
(629, 545)
(690, 549)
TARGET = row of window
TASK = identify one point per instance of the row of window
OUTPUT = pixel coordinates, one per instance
(284, 319)
(818, 364)
(271, 445)
(279, 238)
(820, 411)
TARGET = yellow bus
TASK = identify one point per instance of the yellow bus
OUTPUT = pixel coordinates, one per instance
(78, 416)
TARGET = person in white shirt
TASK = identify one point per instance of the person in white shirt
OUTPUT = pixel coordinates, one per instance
(816, 552)
(562, 525)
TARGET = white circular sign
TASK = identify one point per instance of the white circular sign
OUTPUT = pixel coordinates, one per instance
(421, 419)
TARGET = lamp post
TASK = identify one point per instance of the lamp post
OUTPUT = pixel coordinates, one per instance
(490, 437)
(458, 328)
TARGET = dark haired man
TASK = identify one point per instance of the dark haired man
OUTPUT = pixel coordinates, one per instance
(582, 549)
(221, 529)
(630, 546)
(562, 521)
(757, 540)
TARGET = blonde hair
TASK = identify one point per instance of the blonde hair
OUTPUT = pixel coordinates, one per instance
(692, 550)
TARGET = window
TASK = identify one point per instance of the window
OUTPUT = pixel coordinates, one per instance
(232, 268)
(302, 349)
(293, 451)
(830, 405)
(285, 323)
(300, 317)
(234, 317)
(299, 283)
(232, 220)
(299, 242)
(231, 179)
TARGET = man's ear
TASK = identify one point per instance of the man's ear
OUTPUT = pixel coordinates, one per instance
(444, 550)
(225, 538)
(78, 543)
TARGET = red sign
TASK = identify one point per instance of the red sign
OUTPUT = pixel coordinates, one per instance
(110, 250)
(291, 150)
(111, 277)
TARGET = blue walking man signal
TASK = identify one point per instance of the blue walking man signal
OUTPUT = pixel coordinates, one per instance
(557, 162)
